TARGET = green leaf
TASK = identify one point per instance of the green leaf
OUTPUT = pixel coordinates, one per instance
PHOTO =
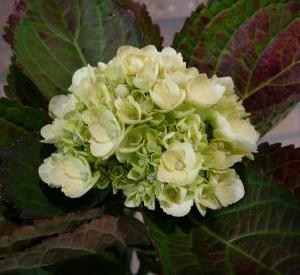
(90, 238)
(256, 42)
(151, 33)
(22, 187)
(20, 88)
(280, 163)
(58, 37)
(258, 235)
(17, 121)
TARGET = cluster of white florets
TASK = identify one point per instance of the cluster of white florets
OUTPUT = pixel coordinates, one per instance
(147, 125)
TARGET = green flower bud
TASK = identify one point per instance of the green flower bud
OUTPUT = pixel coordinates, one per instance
(144, 192)
(133, 140)
(216, 156)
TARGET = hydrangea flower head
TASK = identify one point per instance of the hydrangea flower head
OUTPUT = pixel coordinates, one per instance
(151, 128)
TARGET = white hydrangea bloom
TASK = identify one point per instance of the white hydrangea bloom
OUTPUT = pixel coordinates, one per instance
(72, 174)
(179, 165)
(227, 186)
(52, 133)
(61, 105)
(183, 77)
(171, 61)
(152, 128)
(143, 64)
(223, 189)
(240, 131)
(122, 90)
(128, 110)
(106, 132)
(204, 92)
(175, 201)
(167, 95)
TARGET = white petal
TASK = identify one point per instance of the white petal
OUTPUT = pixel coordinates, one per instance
(229, 189)
(167, 95)
(238, 130)
(178, 209)
(61, 105)
(175, 177)
(245, 130)
(204, 92)
(54, 131)
(75, 188)
(99, 133)
(227, 82)
(51, 172)
(46, 171)
(81, 74)
(76, 168)
(102, 149)
(168, 51)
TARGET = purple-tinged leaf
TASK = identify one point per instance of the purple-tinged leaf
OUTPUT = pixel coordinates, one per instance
(13, 21)
(257, 43)
(88, 239)
(280, 163)
(25, 235)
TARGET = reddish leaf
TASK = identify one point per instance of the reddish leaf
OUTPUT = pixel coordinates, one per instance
(23, 236)
(281, 164)
(88, 239)
(13, 21)
(257, 43)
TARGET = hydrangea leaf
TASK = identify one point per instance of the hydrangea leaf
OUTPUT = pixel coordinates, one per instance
(20, 88)
(6, 225)
(13, 21)
(55, 39)
(151, 33)
(25, 235)
(258, 235)
(280, 163)
(61, 239)
(255, 42)
(22, 188)
(17, 121)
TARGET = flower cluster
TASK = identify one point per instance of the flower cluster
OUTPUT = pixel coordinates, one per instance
(149, 126)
